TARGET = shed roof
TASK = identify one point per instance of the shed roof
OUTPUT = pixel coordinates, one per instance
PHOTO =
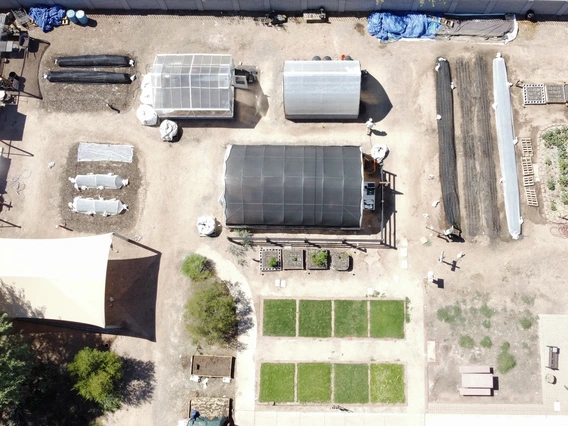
(298, 186)
(192, 85)
(59, 279)
(322, 89)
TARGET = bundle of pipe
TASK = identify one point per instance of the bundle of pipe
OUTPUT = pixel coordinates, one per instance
(89, 77)
(447, 143)
(83, 61)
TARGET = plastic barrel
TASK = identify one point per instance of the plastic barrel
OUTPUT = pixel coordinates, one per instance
(71, 16)
(82, 17)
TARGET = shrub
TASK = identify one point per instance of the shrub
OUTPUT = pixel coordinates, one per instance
(273, 262)
(505, 362)
(210, 314)
(486, 323)
(505, 346)
(551, 185)
(565, 198)
(98, 374)
(466, 342)
(548, 162)
(486, 342)
(563, 180)
(197, 267)
(553, 206)
(449, 314)
(320, 258)
(486, 311)
(526, 323)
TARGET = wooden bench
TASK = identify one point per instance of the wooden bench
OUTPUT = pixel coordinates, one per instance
(475, 392)
(472, 369)
(553, 353)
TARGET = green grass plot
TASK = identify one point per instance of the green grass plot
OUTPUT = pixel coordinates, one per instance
(350, 317)
(279, 318)
(351, 383)
(387, 318)
(314, 382)
(315, 318)
(387, 383)
(277, 382)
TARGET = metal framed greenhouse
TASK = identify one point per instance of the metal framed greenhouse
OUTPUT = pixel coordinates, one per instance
(322, 89)
(193, 86)
(293, 186)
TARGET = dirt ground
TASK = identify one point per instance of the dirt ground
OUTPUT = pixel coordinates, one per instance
(179, 182)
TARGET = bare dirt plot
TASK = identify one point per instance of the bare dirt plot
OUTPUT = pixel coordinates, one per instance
(68, 97)
(212, 366)
(130, 194)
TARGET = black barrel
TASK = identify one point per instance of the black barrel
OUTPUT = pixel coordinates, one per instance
(95, 61)
(88, 77)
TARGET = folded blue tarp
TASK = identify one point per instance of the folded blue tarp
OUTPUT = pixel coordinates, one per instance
(47, 17)
(387, 26)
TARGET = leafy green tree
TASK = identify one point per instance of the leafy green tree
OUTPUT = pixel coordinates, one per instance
(97, 374)
(210, 314)
(197, 267)
(16, 363)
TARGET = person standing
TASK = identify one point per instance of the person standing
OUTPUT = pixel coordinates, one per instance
(369, 125)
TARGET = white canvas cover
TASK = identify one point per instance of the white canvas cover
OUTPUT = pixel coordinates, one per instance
(92, 181)
(92, 206)
(57, 279)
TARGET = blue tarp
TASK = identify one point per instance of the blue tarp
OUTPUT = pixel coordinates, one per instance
(387, 26)
(47, 17)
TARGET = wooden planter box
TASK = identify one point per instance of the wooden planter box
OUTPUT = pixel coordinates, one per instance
(310, 262)
(288, 257)
(340, 261)
(266, 255)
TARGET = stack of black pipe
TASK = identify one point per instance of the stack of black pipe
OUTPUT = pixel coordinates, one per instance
(91, 77)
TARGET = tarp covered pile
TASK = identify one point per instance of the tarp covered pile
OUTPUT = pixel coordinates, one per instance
(388, 26)
(47, 17)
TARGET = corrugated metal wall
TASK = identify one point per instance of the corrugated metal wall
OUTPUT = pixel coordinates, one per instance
(542, 7)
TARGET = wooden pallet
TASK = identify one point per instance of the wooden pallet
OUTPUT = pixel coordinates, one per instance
(532, 200)
(527, 166)
(528, 180)
(526, 146)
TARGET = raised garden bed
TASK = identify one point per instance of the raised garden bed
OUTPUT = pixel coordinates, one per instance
(293, 259)
(270, 260)
(212, 366)
(340, 261)
(316, 259)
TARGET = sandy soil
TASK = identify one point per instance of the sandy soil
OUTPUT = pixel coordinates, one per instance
(181, 181)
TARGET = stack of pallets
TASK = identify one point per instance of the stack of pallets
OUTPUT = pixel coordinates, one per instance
(528, 172)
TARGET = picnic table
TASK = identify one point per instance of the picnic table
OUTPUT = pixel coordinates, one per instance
(553, 353)
(477, 381)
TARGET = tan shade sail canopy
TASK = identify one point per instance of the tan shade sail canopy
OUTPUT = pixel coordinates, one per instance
(59, 279)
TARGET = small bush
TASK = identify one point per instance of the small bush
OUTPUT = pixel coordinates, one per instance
(505, 346)
(505, 362)
(196, 267)
(563, 181)
(466, 342)
(565, 198)
(294, 259)
(548, 162)
(273, 262)
(450, 314)
(486, 342)
(526, 323)
(486, 311)
(551, 185)
(553, 206)
(319, 258)
(486, 323)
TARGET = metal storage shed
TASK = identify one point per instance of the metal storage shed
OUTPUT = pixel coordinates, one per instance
(322, 89)
(293, 186)
(193, 86)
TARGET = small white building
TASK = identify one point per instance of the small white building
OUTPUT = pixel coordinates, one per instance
(322, 89)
